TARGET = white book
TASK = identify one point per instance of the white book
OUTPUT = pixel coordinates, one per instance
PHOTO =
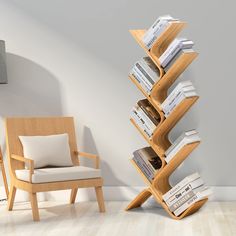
(178, 140)
(167, 107)
(185, 198)
(173, 49)
(140, 80)
(146, 119)
(175, 91)
(186, 140)
(152, 37)
(148, 79)
(183, 191)
(140, 122)
(180, 185)
(197, 197)
(156, 27)
(179, 100)
(142, 77)
(176, 57)
(150, 68)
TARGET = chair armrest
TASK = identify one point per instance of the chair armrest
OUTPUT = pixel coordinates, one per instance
(25, 160)
(89, 155)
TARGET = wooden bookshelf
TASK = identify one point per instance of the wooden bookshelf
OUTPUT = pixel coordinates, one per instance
(159, 140)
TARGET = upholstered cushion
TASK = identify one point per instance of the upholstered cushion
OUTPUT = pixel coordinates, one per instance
(45, 175)
(51, 150)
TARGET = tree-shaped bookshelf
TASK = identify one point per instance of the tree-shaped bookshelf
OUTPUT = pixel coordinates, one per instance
(159, 140)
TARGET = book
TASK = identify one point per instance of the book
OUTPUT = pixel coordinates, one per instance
(185, 198)
(184, 134)
(173, 49)
(179, 100)
(142, 168)
(150, 158)
(140, 123)
(176, 57)
(175, 92)
(168, 107)
(150, 111)
(141, 79)
(197, 197)
(186, 140)
(183, 191)
(145, 118)
(157, 28)
(180, 185)
(150, 68)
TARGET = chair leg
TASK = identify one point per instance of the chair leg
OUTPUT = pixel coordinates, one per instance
(11, 197)
(100, 199)
(34, 206)
(73, 195)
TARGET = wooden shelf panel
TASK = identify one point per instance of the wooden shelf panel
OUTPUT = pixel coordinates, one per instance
(159, 91)
(138, 35)
(154, 147)
(160, 136)
(162, 177)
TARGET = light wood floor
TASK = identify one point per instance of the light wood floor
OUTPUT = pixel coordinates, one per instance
(83, 219)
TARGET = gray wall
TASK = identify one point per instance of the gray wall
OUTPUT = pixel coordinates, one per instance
(72, 58)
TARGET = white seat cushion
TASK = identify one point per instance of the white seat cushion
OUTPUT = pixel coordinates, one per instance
(46, 175)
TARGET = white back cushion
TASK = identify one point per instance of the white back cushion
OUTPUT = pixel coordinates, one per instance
(52, 150)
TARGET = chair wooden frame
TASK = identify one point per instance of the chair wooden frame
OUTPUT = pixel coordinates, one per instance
(45, 126)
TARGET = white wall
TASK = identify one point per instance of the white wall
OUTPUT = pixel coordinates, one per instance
(72, 58)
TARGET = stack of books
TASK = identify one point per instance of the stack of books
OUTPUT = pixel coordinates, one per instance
(184, 89)
(147, 161)
(174, 50)
(158, 27)
(186, 193)
(145, 73)
(145, 117)
(185, 138)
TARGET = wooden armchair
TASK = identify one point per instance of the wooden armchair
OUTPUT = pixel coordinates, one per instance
(16, 127)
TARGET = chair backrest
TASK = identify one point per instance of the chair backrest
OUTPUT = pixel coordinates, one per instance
(33, 127)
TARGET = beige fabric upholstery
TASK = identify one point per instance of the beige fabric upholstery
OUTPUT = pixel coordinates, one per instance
(45, 175)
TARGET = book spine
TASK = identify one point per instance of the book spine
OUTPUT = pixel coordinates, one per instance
(145, 159)
(178, 147)
(181, 201)
(175, 104)
(175, 91)
(180, 185)
(148, 80)
(197, 197)
(143, 82)
(146, 167)
(196, 185)
(143, 170)
(139, 79)
(146, 119)
(141, 124)
(167, 108)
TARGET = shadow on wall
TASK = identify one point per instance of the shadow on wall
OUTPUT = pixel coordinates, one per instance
(31, 91)
(89, 146)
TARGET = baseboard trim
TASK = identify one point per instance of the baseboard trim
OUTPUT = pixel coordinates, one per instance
(116, 193)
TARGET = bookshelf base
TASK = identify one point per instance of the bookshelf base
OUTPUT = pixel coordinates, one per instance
(143, 196)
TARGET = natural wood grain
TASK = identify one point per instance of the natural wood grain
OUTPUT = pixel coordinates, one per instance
(4, 174)
(34, 206)
(73, 195)
(100, 199)
(43, 126)
(11, 197)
